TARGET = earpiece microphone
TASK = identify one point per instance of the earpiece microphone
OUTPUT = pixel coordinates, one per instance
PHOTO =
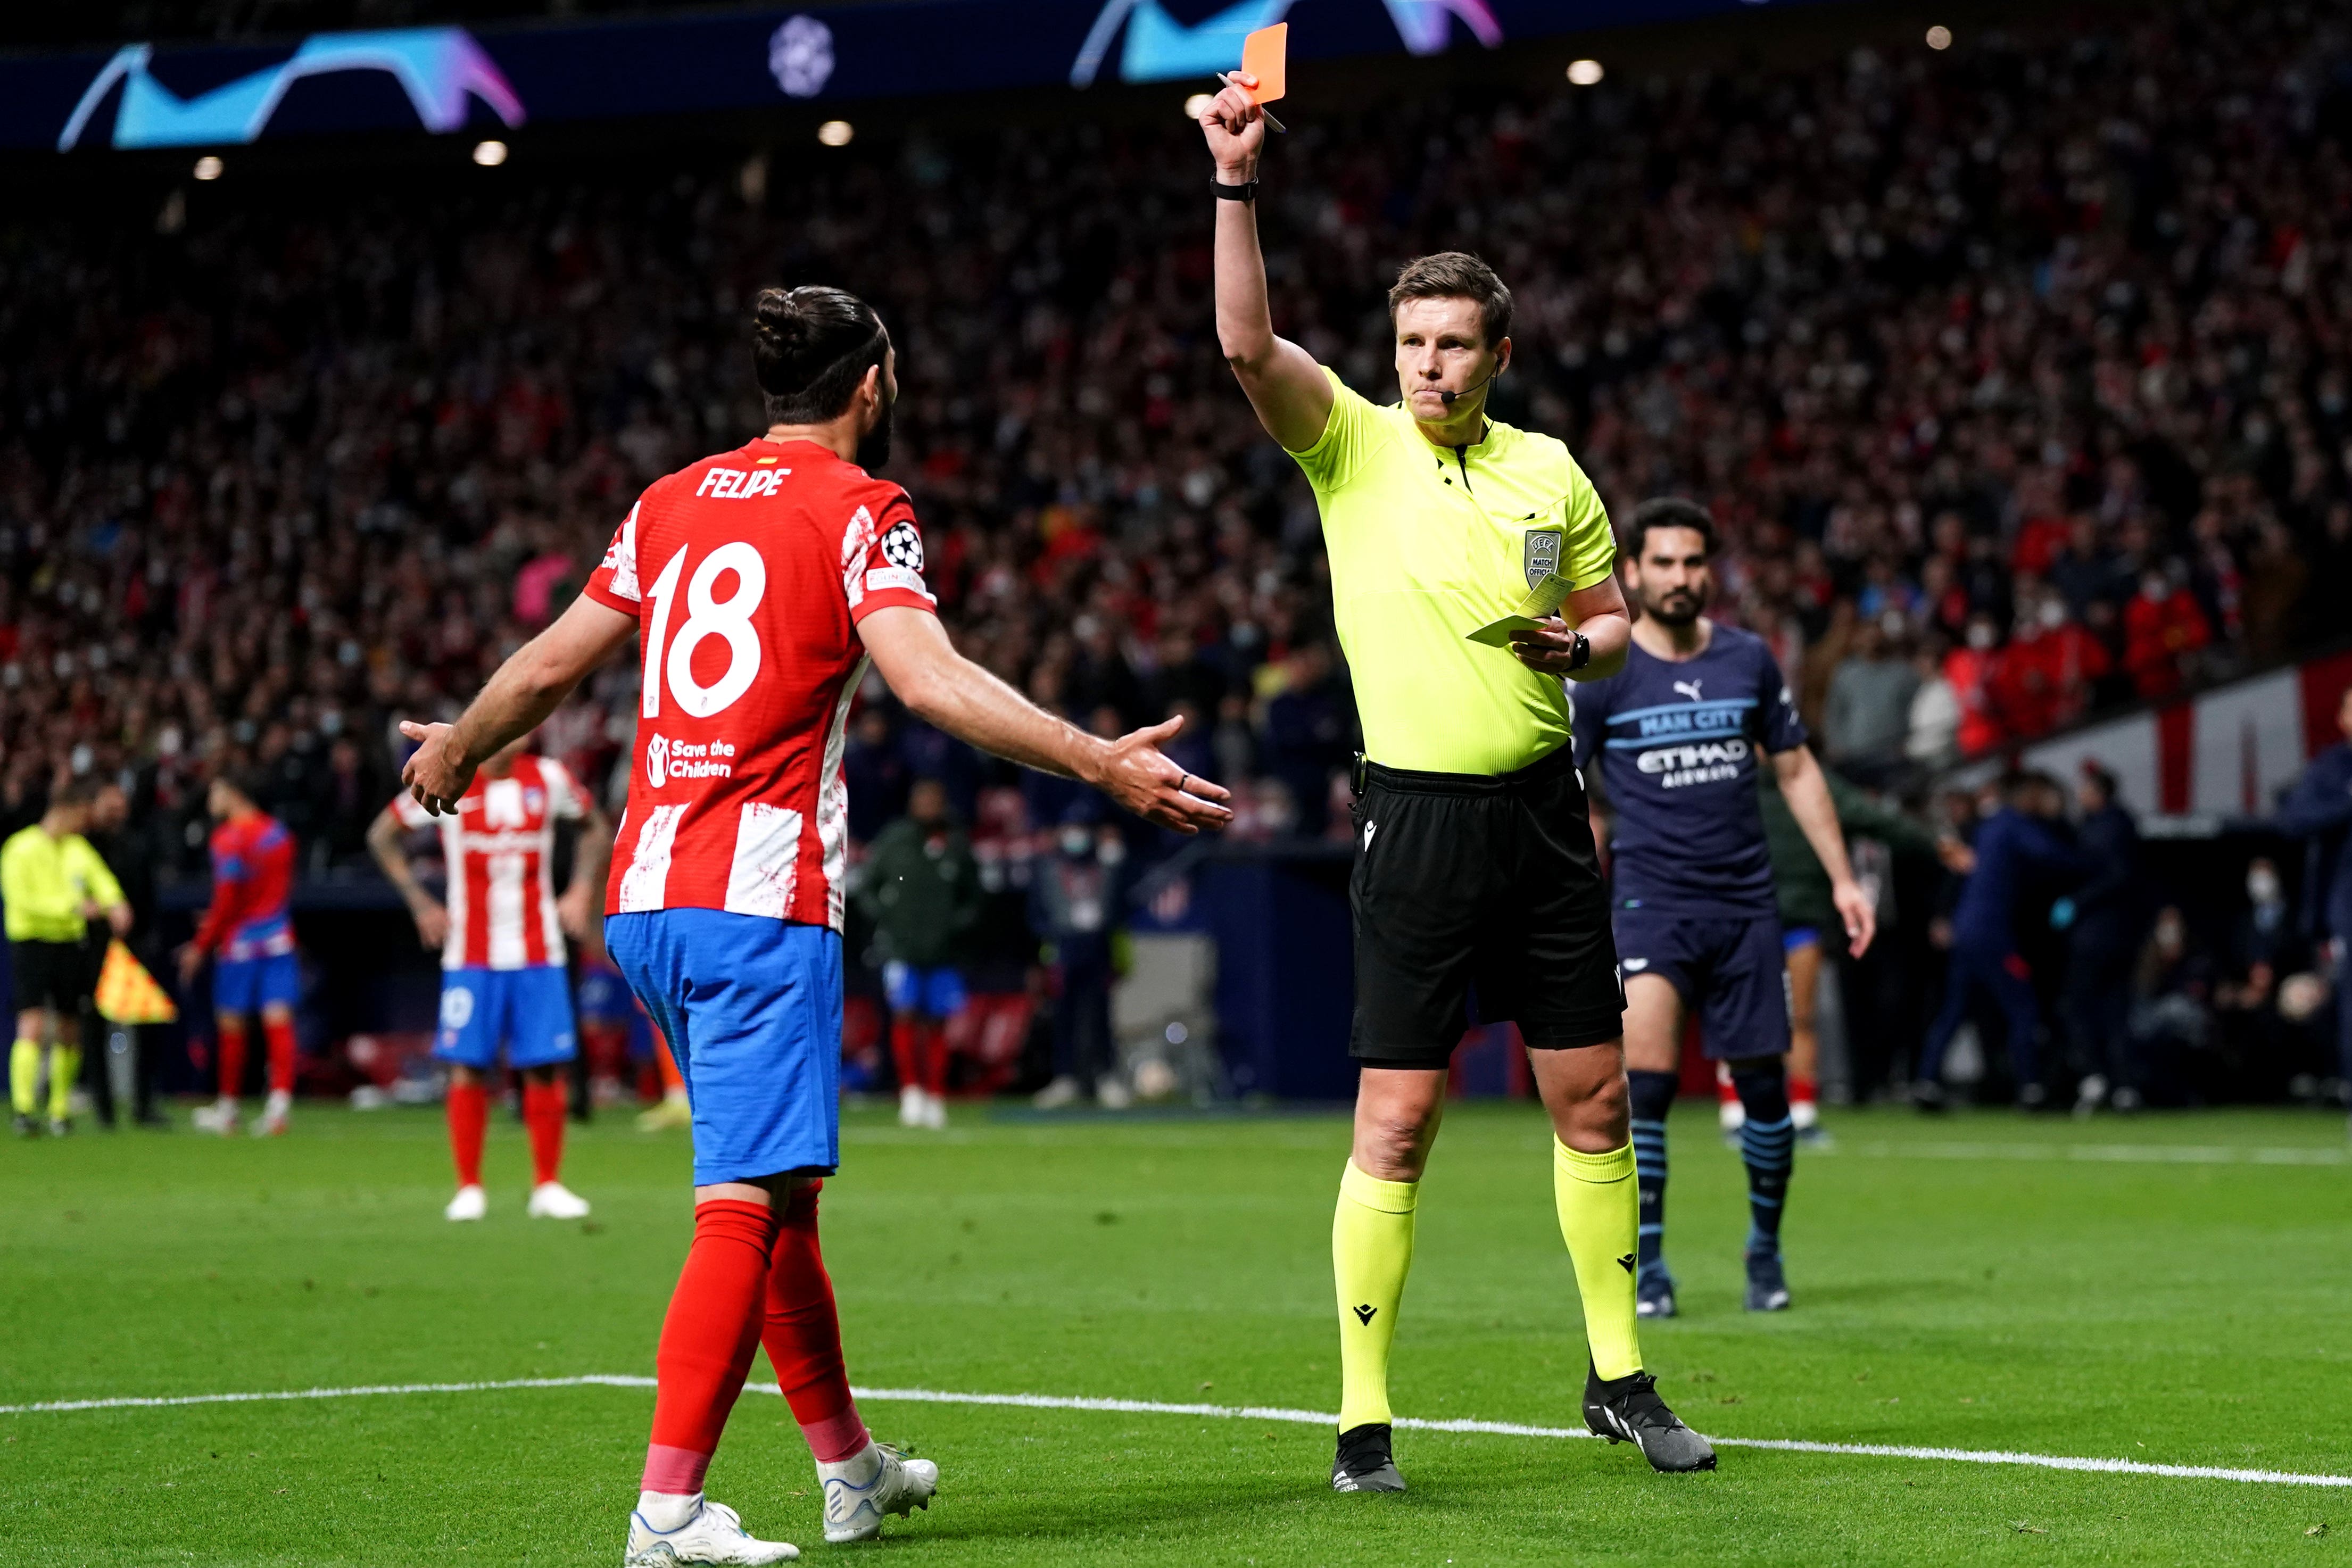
(1447, 397)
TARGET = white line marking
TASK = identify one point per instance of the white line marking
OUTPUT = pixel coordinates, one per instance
(53, 1405)
(1229, 1413)
(2102, 1154)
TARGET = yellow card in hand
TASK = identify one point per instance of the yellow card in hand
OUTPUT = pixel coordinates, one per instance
(1539, 559)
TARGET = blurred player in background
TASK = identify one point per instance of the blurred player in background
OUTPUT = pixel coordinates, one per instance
(610, 1024)
(1803, 887)
(500, 934)
(249, 934)
(674, 1109)
(1677, 738)
(760, 579)
(921, 886)
(53, 884)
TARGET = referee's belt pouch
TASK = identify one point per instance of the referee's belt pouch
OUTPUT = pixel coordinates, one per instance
(1358, 775)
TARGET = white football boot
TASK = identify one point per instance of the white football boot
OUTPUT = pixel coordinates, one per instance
(910, 1106)
(867, 1485)
(554, 1200)
(935, 1112)
(715, 1533)
(220, 1117)
(471, 1203)
(275, 1114)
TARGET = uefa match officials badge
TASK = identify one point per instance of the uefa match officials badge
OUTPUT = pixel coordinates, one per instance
(1540, 549)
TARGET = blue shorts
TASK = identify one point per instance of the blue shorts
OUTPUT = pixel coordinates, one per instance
(527, 1010)
(752, 1009)
(935, 993)
(1729, 971)
(1795, 936)
(248, 985)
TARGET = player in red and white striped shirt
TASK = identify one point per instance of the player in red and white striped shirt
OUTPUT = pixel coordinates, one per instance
(501, 933)
(760, 581)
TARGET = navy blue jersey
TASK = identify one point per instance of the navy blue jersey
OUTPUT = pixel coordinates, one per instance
(1677, 744)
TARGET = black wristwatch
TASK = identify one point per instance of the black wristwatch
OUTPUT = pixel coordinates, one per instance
(1242, 193)
(1580, 655)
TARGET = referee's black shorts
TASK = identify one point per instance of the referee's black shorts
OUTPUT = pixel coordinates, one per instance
(1461, 881)
(55, 974)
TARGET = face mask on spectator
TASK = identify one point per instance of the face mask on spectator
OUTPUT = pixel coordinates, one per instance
(2155, 587)
(1076, 842)
(2262, 886)
(1980, 637)
(2053, 614)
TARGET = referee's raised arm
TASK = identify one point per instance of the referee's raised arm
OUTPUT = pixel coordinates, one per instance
(1285, 384)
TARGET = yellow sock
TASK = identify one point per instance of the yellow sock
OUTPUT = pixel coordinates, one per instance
(24, 1076)
(1371, 1252)
(65, 1071)
(1599, 1219)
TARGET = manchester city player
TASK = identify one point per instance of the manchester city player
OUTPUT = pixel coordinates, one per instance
(1678, 733)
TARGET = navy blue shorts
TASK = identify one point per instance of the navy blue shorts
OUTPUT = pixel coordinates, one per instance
(751, 1006)
(527, 1010)
(1731, 972)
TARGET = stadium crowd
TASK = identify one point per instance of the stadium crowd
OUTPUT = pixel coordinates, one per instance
(2015, 376)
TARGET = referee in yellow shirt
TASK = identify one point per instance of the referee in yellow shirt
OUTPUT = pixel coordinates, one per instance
(52, 883)
(1474, 862)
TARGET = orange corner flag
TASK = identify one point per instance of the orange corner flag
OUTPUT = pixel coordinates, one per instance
(127, 993)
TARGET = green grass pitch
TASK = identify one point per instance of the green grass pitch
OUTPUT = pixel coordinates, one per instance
(2170, 1290)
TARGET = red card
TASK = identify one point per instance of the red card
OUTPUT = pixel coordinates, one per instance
(1264, 55)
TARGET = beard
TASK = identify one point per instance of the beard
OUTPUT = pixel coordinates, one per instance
(1679, 608)
(874, 446)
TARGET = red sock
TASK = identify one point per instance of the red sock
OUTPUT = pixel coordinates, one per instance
(280, 1033)
(543, 1109)
(1802, 1091)
(935, 1059)
(1723, 1093)
(803, 1337)
(707, 1341)
(906, 1051)
(232, 1056)
(469, 1117)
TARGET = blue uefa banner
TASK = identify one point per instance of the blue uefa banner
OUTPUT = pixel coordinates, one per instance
(445, 80)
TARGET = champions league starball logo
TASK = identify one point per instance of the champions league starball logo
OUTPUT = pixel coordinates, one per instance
(902, 546)
(800, 56)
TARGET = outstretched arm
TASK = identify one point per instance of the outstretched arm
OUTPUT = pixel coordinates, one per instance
(526, 689)
(942, 687)
(1808, 794)
(1288, 388)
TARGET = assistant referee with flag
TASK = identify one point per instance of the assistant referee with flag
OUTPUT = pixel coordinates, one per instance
(1475, 861)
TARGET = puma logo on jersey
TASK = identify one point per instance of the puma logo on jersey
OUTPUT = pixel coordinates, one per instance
(1689, 689)
(740, 483)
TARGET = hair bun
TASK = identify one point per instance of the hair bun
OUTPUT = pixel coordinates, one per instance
(782, 324)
